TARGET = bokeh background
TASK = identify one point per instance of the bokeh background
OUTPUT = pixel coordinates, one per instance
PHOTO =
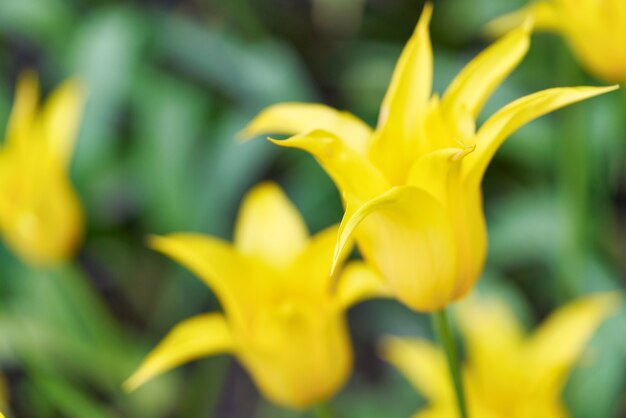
(171, 83)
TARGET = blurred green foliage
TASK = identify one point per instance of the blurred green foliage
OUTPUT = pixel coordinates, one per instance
(170, 85)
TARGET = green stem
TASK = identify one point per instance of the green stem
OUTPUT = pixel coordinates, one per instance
(574, 168)
(323, 410)
(441, 324)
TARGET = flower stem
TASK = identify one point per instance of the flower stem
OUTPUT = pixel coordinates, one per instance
(574, 169)
(323, 410)
(441, 324)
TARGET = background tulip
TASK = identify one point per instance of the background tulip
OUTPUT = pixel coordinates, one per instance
(40, 215)
(595, 30)
(282, 319)
(507, 373)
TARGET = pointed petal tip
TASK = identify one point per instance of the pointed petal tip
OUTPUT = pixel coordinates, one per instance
(252, 129)
(611, 300)
(463, 151)
(384, 345)
(153, 240)
(279, 142)
(427, 12)
(249, 132)
(335, 263)
(158, 243)
(528, 24)
(592, 91)
(77, 84)
(130, 385)
(244, 135)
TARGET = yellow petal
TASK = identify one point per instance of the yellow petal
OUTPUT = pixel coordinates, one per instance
(489, 329)
(300, 354)
(516, 114)
(43, 222)
(436, 171)
(543, 14)
(423, 364)
(396, 139)
(357, 283)
(559, 342)
(190, 340)
(300, 118)
(352, 173)
(471, 88)
(406, 234)
(310, 272)
(270, 227)
(439, 173)
(435, 132)
(439, 412)
(411, 82)
(24, 109)
(237, 283)
(61, 119)
(493, 340)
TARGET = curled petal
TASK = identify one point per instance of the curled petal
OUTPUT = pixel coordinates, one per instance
(190, 340)
(516, 114)
(438, 171)
(407, 235)
(269, 227)
(352, 173)
(300, 118)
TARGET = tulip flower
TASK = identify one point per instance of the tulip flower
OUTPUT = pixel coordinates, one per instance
(507, 373)
(282, 318)
(40, 215)
(412, 186)
(594, 29)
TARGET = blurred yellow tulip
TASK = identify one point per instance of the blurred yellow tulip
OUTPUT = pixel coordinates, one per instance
(595, 30)
(412, 186)
(40, 214)
(507, 374)
(283, 320)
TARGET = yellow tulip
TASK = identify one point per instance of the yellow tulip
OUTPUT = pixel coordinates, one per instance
(411, 187)
(507, 373)
(40, 214)
(283, 320)
(594, 29)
